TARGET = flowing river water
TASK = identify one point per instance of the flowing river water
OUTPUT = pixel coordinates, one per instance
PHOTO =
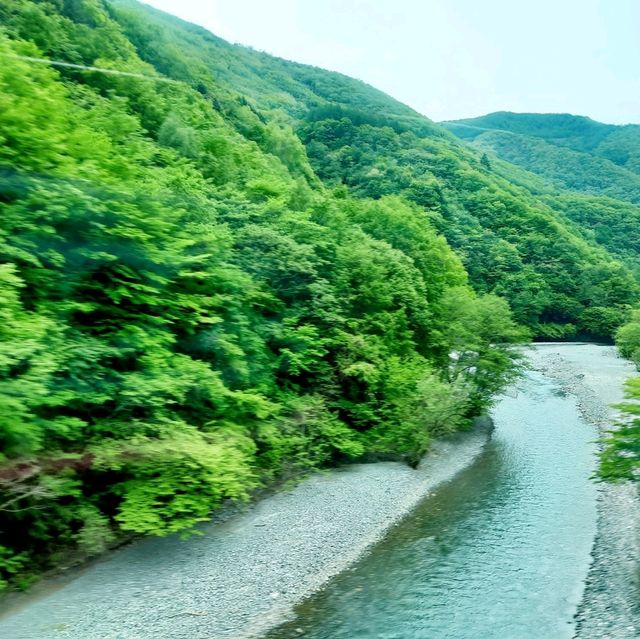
(501, 552)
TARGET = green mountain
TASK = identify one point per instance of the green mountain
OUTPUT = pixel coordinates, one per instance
(568, 151)
(219, 269)
(586, 170)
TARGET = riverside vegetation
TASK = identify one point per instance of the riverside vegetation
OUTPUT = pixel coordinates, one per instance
(219, 269)
(601, 164)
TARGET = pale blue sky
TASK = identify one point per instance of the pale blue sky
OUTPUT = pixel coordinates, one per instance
(453, 58)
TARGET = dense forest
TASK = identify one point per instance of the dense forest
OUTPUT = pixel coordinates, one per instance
(621, 454)
(590, 173)
(588, 170)
(219, 269)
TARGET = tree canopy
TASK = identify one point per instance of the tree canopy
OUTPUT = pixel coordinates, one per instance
(220, 269)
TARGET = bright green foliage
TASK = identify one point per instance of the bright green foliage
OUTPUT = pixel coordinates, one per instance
(177, 477)
(186, 311)
(628, 338)
(26, 365)
(235, 276)
(620, 459)
(421, 405)
(510, 242)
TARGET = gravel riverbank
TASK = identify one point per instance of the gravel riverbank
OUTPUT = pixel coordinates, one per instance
(610, 607)
(244, 575)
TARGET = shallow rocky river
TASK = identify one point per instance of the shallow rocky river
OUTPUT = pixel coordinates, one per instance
(506, 538)
(500, 552)
(505, 550)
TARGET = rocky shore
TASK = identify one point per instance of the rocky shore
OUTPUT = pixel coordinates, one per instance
(242, 576)
(610, 607)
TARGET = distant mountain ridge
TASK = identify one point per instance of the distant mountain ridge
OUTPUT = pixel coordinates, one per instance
(576, 132)
(569, 151)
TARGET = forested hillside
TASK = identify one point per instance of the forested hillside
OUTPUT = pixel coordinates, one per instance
(218, 268)
(619, 144)
(599, 161)
(563, 167)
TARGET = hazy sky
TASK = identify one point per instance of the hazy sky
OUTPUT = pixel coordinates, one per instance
(453, 58)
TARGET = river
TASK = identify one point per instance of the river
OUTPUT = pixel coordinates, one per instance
(501, 550)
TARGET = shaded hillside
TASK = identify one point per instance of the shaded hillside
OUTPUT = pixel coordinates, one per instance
(562, 167)
(563, 129)
(586, 170)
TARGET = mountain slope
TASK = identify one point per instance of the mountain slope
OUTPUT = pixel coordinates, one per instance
(571, 152)
(562, 129)
(187, 311)
(218, 268)
(378, 147)
(587, 171)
